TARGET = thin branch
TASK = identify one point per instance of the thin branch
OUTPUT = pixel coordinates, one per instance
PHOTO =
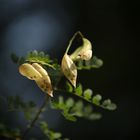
(31, 125)
(72, 39)
(82, 97)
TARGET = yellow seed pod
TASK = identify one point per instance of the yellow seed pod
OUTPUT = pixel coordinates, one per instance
(84, 52)
(44, 83)
(29, 71)
(45, 86)
(39, 75)
(85, 55)
(69, 69)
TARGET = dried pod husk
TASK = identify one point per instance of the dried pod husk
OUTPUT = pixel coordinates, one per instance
(45, 82)
(39, 75)
(69, 69)
(84, 52)
(29, 71)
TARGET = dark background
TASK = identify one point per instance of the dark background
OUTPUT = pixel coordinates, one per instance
(113, 28)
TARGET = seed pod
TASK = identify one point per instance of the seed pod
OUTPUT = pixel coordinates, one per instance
(29, 71)
(84, 52)
(44, 83)
(85, 55)
(69, 69)
(39, 74)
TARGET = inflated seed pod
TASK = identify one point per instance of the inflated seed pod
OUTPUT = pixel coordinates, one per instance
(29, 71)
(69, 69)
(45, 82)
(84, 52)
(39, 75)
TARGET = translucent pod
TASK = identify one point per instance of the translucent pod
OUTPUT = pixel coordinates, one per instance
(29, 71)
(37, 73)
(45, 82)
(84, 52)
(69, 69)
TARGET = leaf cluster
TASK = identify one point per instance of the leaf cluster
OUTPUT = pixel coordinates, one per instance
(16, 103)
(72, 109)
(94, 62)
(9, 133)
(41, 58)
(50, 133)
(36, 57)
(90, 97)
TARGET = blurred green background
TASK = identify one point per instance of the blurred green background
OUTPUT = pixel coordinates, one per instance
(113, 28)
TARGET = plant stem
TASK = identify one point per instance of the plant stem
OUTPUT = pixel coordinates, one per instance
(31, 125)
(80, 96)
(72, 39)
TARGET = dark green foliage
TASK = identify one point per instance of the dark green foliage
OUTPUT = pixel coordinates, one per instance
(72, 109)
(17, 104)
(96, 99)
(91, 98)
(50, 133)
(41, 58)
(78, 89)
(14, 58)
(92, 63)
(36, 57)
(87, 94)
(65, 107)
(8, 132)
(109, 105)
(69, 88)
(17, 60)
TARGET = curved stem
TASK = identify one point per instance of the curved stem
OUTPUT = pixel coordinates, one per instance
(31, 125)
(70, 42)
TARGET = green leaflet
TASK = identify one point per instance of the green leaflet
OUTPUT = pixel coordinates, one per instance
(36, 57)
(109, 105)
(52, 135)
(89, 96)
(69, 88)
(96, 99)
(72, 109)
(8, 132)
(17, 104)
(79, 89)
(41, 58)
(17, 60)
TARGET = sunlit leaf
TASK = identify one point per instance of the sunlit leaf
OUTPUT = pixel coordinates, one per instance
(109, 105)
(88, 94)
(69, 87)
(95, 116)
(96, 99)
(94, 62)
(79, 89)
(69, 102)
(57, 135)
